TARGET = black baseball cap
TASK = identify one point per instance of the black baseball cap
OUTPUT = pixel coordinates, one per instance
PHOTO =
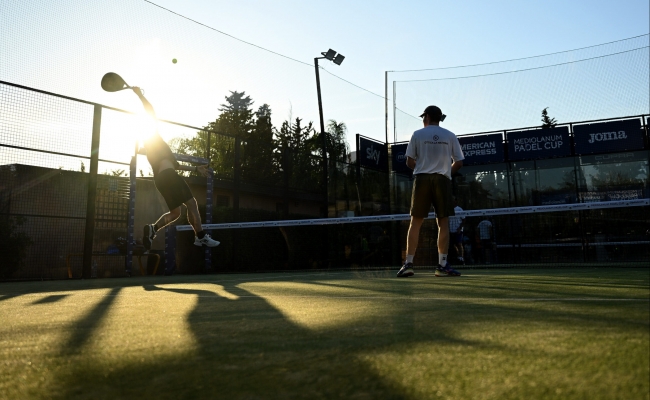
(434, 112)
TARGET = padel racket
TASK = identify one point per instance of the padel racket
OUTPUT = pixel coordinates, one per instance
(112, 82)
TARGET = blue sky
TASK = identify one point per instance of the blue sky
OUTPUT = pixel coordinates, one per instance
(66, 46)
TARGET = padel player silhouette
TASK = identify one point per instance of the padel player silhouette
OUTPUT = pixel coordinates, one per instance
(429, 154)
(171, 186)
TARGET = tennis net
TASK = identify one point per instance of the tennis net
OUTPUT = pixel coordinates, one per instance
(612, 233)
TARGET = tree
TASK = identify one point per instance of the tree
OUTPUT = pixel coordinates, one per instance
(546, 121)
(258, 149)
(236, 119)
(295, 152)
(268, 155)
(337, 147)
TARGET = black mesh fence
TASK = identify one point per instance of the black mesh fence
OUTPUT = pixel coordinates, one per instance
(44, 143)
(58, 152)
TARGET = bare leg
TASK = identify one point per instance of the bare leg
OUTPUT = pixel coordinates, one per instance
(168, 218)
(193, 215)
(443, 235)
(460, 249)
(413, 235)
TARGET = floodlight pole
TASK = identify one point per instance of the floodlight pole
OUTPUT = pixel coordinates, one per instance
(386, 102)
(324, 141)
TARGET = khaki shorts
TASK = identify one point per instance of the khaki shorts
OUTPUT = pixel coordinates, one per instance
(432, 189)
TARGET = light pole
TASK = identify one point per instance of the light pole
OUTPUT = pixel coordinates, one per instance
(337, 59)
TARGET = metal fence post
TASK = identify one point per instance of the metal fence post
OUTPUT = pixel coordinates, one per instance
(209, 188)
(131, 218)
(92, 193)
(236, 179)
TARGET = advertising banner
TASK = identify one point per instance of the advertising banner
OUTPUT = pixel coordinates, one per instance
(399, 159)
(482, 149)
(608, 137)
(539, 143)
(372, 154)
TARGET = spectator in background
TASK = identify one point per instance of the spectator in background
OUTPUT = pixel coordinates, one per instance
(485, 233)
(456, 232)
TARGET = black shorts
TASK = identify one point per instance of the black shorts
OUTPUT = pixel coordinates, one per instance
(457, 237)
(173, 188)
(432, 189)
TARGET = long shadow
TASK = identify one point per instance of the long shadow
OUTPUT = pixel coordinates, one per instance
(86, 326)
(9, 296)
(51, 299)
(248, 349)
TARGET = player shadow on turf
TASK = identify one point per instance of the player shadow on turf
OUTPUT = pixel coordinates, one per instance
(248, 348)
(84, 328)
(51, 299)
(9, 296)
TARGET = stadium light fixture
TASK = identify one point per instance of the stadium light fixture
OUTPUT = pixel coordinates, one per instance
(338, 59)
(329, 55)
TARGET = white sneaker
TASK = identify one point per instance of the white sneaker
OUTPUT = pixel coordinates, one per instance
(207, 240)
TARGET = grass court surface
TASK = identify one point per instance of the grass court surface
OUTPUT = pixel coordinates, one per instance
(490, 334)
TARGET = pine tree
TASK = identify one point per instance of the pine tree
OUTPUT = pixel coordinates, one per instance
(546, 121)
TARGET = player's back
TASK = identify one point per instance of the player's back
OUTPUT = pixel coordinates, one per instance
(433, 148)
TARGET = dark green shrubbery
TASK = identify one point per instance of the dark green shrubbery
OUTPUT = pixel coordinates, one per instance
(13, 246)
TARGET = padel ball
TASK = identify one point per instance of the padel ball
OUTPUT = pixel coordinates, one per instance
(174, 61)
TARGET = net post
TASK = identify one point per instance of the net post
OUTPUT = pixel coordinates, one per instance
(89, 234)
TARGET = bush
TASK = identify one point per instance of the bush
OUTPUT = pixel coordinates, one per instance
(13, 246)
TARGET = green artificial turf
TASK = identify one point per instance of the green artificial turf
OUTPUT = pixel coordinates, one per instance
(490, 334)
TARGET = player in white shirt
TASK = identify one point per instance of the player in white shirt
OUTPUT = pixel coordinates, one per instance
(430, 153)
(456, 232)
(485, 232)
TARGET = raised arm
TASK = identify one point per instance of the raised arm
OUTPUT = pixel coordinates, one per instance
(147, 106)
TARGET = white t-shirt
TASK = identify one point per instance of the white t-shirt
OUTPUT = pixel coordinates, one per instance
(433, 148)
(455, 221)
(484, 229)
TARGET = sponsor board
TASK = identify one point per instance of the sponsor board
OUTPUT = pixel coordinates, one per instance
(608, 137)
(539, 143)
(482, 149)
(372, 154)
(398, 152)
(611, 195)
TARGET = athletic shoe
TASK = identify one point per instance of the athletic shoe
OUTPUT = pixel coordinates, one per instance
(207, 240)
(405, 271)
(447, 270)
(147, 237)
